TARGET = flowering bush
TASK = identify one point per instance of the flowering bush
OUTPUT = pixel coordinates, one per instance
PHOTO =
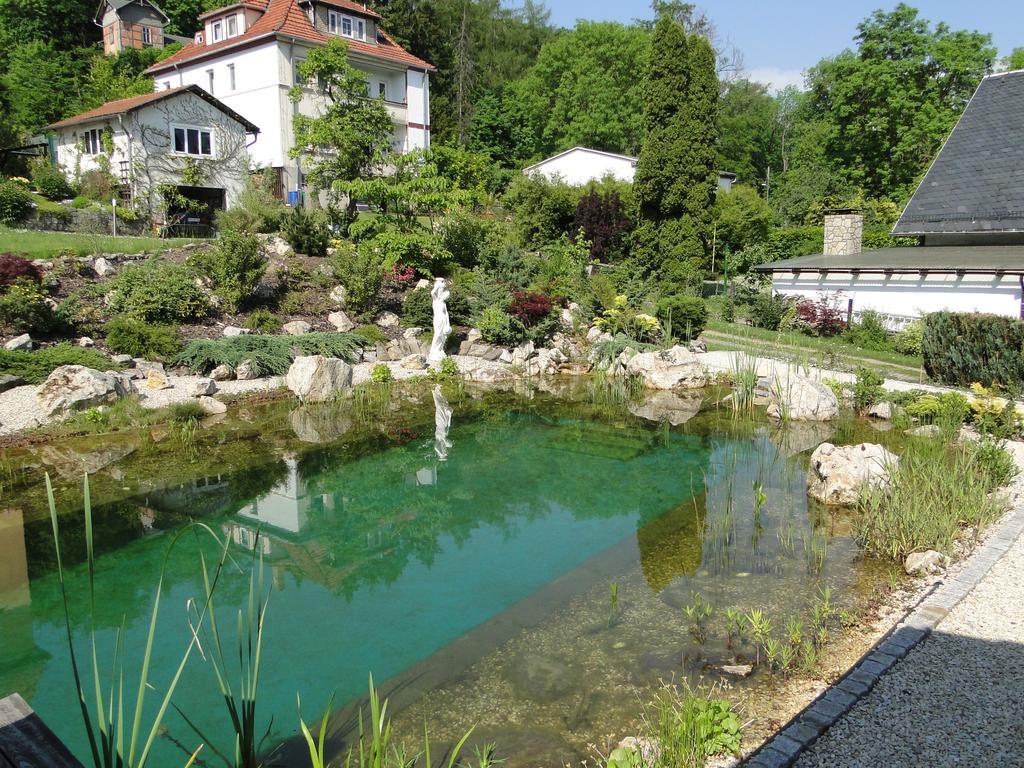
(399, 276)
(621, 318)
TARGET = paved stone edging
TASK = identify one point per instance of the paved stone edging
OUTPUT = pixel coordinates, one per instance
(803, 729)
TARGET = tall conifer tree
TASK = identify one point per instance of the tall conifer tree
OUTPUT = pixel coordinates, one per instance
(675, 178)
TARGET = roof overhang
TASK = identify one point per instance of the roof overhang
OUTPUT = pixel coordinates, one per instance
(929, 259)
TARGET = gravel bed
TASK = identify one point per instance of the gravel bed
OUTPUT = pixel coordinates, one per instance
(955, 699)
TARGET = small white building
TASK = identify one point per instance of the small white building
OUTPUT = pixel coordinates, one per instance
(182, 136)
(248, 53)
(579, 166)
(967, 216)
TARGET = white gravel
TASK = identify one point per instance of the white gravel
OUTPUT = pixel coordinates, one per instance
(956, 699)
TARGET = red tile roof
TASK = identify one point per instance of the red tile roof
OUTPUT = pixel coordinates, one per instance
(348, 5)
(121, 106)
(285, 17)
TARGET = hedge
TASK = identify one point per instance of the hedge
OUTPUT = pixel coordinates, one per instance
(962, 349)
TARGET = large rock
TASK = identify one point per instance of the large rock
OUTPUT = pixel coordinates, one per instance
(297, 328)
(75, 387)
(338, 295)
(928, 561)
(275, 245)
(675, 368)
(234, 330)
(341, 322)
(201, 386)
(245, 371)
(103, 268)
(7, 381)
(315, 378)
(211, 406)
(23, 342)
(222, 373)
(478, 369)
(839, 474)
(387, 320)
(798, 398)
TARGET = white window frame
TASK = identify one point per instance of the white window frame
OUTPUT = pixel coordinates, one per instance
(200, 131)
(92, 142)
(209, 81)
(231, 77)
(336, 23)
(231, 26)
(217, 31)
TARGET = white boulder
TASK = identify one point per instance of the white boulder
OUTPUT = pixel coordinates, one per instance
(798, 398)
(315, 378)
(23, 342)
(201, 386)
(277, 246)
(341, 322)
(245, 371)
(233, 330)
(211, 406)
(839, 474)
(675, 368)
(103, 268)
(338, 295)
(75, 387)
(297, 328)
(387, 320)
(222, 373)
(925, 562)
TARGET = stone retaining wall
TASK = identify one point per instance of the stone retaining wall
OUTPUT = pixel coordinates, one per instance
(82, 221)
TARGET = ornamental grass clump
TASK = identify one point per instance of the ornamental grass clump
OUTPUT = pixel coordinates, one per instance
(937, 492)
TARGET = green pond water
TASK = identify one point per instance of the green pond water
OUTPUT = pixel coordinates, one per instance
(468, 571)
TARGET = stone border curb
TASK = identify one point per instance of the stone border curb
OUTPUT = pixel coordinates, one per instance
(783, 749)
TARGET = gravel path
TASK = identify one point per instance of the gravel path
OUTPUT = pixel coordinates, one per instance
(956, 699)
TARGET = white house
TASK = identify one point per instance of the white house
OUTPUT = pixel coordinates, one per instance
(580, 165)
(182, 136)
(967, 216)
(247, 55)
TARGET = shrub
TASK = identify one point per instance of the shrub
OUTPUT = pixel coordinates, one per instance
(371, 334)
(542, 210)
(81, 201)
(497, 326)
(158, 292)
(423, 252)
(235, 266)
(867, 389)
(381, 374)
(35, 366)
(767, 310)
(966, 348)
(621, 319)
(15, 202)
(821, 317)
(908, 340)
(361, 271)
(306, 232)
(561, 270)
(870, 333)
(417, 308)
(462, 235)
(24, 308)
(936, 491)
(601, 220)
(140, 339)
(263, 321)
(535, 312)
(269, 355)
(51, 183)
(686, 316)
(257, 209)
(14, 267)
(97, 185)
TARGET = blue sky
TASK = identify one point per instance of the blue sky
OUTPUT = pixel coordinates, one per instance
(781, 39)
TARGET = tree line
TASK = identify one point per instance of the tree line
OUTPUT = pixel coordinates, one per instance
(513, 88)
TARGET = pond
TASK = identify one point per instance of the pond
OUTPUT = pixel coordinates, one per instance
(463, 547)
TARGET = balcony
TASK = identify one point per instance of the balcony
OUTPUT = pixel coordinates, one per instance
(398, 111)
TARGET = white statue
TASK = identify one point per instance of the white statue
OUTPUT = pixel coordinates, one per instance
(439, 293)
(442, 422)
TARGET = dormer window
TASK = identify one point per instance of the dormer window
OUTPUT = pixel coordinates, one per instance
(232, 25)
(346, 26)
(218, 31)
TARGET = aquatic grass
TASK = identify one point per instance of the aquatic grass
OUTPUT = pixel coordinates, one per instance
(268, 355)
(116, 733)
(690, 726)
(936, 492)
(240, 698)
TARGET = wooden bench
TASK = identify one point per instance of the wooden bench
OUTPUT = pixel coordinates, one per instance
(26, 742)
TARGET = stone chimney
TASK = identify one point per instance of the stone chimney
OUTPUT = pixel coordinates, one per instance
(844, 232)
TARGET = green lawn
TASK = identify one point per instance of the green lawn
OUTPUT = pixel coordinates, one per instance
(43, 245)
(832, 353)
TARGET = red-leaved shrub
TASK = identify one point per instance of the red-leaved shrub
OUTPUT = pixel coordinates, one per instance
(530, 307)
(13, 267)
(822, 317)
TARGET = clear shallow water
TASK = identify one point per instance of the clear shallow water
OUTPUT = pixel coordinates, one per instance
(469, 574)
